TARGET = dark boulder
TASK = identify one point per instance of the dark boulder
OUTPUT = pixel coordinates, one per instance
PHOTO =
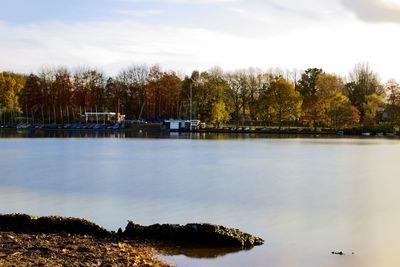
(50, 224)
(201, 234)
(194, 234)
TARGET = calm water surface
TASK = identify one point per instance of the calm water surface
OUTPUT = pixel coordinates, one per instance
(305, 197)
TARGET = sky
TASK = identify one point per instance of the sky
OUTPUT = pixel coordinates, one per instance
(186, 35)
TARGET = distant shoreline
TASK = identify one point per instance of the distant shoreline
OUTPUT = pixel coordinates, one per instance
(152, 128)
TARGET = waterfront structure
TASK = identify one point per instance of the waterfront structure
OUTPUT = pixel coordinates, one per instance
(103, 117)
(180, 125)
(174, 125)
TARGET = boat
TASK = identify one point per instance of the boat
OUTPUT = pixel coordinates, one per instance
(366, 134)
(51, 126)
(339, 133)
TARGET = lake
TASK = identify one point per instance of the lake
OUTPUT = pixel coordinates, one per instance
(305, 196)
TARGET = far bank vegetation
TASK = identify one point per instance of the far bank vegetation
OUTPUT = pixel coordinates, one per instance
(275, 98)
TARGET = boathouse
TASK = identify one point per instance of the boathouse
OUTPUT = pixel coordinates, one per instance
(174, 125)
(179, 125)
(103, 117)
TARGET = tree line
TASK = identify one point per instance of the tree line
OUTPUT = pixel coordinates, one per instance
(312, 98)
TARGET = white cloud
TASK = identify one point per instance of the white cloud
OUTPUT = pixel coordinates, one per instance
(239, 11)
(333, 44)
(375, 10)
(139, 13)
(182, 1)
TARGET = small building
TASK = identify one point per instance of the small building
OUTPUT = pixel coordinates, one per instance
(173, 125)
(103, 117)
(180, 125)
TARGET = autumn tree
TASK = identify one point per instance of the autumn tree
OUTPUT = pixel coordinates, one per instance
(81, 95)
(47, 78)
(363, 82)
(96, 82)
(186, 95)
(313, 111)
(209, 89)
(393, 101)
(327, 85)
(392, 89)
(263, 102)
(372, 104)
(62, 90)
(57, 95)
(256, 82)
(312, 102)
(155, 93)
(32, 96)
(340, 112)
(171, 101)
(219, 114)
(135, 79)
(244, 89)
(116, 94)
(234, 93)
(285, 101)
(10, 87)
(244, 83)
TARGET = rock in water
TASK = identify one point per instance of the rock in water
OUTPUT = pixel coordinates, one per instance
(50, 224)
(194, 234)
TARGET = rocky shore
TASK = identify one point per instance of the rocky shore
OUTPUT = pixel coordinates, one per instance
(61, 249)
(59, 241)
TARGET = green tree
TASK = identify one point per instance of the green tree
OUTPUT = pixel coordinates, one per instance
(307, 85)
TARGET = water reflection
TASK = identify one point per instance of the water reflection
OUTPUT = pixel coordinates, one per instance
(154, 133)
(198, 252)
